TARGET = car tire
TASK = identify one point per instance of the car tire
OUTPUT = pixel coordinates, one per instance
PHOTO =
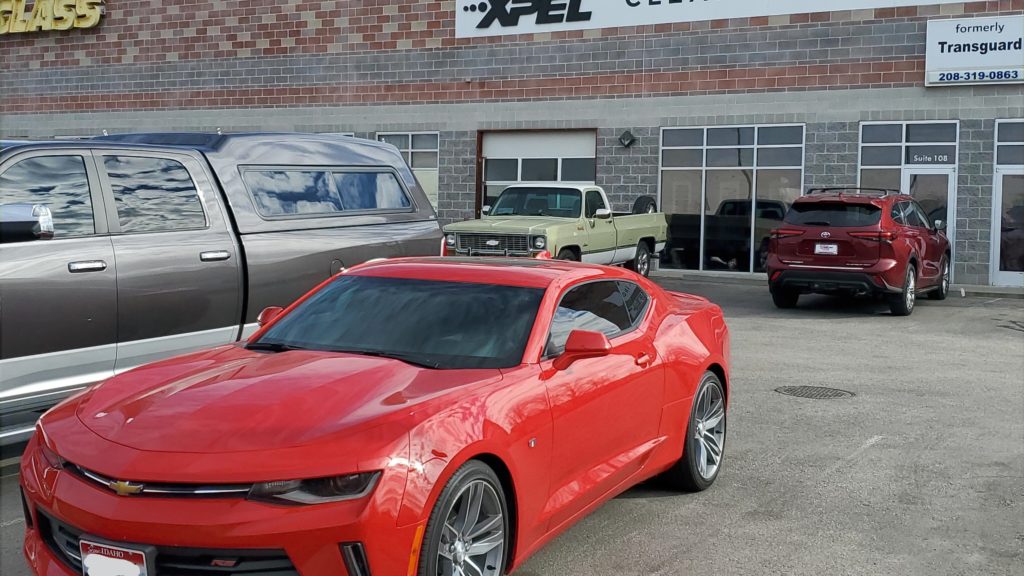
(474, 486)
(641, 263)
(698, 468)
(785, 298)
(645, 205)
(902, 304)
(942, 290)
(568, 254)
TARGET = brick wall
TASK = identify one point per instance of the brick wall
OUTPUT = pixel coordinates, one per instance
(187, 54)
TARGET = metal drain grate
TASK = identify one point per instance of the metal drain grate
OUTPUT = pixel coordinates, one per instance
(814, 392)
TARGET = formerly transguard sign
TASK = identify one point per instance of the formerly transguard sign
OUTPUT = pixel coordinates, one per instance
(475, 18)
(976, 51)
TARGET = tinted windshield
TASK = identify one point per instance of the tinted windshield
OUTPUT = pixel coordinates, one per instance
(520, 201)
(445, 325)
(834, 214)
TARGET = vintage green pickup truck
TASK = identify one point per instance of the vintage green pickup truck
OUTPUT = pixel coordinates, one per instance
(569, 222)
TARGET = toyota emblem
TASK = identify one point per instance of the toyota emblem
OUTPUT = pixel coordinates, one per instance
(826, 234)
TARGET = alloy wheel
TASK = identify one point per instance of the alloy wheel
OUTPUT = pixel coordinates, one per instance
(945, 278)
(473, 536)
(710, 430)
(911, 292)
(643, 265)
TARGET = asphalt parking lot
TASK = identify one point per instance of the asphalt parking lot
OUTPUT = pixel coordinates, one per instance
(920, 472)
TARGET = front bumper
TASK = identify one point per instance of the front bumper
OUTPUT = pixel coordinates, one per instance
(260, 538)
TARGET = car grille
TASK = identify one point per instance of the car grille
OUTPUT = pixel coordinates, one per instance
(164, 490)
(63, 539)
(494, 244)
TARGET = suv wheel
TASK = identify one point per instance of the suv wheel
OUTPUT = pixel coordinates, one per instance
(902, 304)
(785, 298)
(942, 290)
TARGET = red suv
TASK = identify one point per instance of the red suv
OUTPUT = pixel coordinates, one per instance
(858, 241)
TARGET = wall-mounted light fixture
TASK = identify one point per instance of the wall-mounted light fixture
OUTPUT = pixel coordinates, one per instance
(627, 139)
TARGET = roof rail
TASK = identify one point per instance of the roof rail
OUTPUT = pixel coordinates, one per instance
(854, 191)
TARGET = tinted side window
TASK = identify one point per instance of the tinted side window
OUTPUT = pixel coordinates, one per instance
(594, 203)
(597, 307)
(322, 192)
(635, 299)
(926, 222)
(153, 194)
(59, 183)
(370, 191)
(899, 213)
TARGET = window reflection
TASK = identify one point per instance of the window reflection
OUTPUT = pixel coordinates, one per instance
(153, 194)
(58, 182)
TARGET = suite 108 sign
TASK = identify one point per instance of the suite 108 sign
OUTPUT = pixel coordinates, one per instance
(976, 51)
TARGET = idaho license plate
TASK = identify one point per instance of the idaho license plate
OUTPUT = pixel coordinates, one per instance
(827, 249)
(105, 560)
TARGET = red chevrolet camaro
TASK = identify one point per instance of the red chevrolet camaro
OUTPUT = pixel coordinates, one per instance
(407, 417)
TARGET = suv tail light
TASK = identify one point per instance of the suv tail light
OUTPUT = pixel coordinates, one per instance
(785, 233)
(877, 236)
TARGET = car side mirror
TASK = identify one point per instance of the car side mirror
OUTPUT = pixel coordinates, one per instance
(268, 315)
(940, 225)
(485, 210)
(583, 344)
(24, 222)
(603, 214)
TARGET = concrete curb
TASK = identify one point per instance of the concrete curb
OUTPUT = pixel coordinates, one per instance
(744, 279)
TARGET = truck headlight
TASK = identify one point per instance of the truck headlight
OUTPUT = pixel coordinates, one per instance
(318, 490)
(540, 242)
(450, 240)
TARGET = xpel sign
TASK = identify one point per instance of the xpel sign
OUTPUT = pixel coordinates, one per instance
(476, 18)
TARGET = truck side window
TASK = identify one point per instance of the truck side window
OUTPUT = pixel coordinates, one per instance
(153, 194)
(594, 203)
(323, 192)
(597, 306)
(59, 183)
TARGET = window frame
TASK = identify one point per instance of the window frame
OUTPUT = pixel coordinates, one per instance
(998, 145)
(100, 214)
(903, 145)
(114, 220)
(636, 323)
(755, 168)
(242, 170)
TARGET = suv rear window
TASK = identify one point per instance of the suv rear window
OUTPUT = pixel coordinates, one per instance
(833, 214)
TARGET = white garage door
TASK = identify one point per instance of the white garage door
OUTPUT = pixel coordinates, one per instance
(556, 156)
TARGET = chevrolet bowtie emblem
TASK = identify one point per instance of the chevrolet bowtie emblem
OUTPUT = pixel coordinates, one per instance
(126, 488)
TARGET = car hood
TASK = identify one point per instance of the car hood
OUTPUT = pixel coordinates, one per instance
(235, 400)
(509, 225)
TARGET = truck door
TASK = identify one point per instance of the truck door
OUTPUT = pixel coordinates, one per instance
(57, 282)
(178, 270)
(600, 248)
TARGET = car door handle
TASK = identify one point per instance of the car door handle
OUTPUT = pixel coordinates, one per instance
(87, 266)
(215, 256)
(644, 360)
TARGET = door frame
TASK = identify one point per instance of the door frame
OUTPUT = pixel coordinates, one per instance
(951, 172)
(996, 276)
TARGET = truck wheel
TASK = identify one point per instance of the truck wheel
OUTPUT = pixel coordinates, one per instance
(568, 254)
(645, 205)
(641, 264)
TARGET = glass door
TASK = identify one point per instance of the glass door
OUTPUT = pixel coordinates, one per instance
(935, 190)
(1008, 228)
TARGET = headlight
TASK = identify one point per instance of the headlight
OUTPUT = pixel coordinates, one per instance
(51, 457)
(540, 242)
(450, 240)
(317, 491)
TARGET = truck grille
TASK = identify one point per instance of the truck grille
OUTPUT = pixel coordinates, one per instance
(63, 539)
(493, 244)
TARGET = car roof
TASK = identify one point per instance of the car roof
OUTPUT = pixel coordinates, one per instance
(851, 198)
(523, 272)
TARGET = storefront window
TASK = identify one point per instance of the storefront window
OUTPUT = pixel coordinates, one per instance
(724, 190)
(1008, 204)
(421, 151)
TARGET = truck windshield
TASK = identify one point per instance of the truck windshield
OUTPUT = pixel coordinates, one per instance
(438, 325)
(538, 201)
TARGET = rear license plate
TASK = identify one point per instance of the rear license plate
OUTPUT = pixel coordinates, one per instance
(827, 249)
(105, 560)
